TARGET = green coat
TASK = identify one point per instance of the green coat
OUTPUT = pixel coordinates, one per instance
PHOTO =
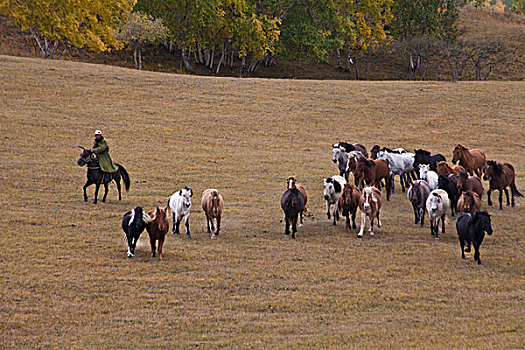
(101, 149)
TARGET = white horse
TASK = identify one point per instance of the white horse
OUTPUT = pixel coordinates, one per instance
(333, 187)
(180, 205)
(430, 176)
(401, 163)
(437, 207)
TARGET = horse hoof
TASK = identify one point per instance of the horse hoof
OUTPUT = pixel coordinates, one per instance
(360, 235)
(334, 224)
(371, 233)
(212, 236)
(286, 233)
(94, 202)
(437, 239)
(188, 236)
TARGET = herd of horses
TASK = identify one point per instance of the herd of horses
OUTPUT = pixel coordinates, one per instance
(432, 184)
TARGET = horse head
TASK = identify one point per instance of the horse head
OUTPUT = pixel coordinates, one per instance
(290, 182)
(483, 221)
(85, 157)
(186, 193)
(457, 154)
(215, 203)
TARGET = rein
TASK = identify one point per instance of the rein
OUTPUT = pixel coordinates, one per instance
(88, 160)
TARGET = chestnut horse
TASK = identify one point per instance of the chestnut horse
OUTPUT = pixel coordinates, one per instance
(291, 183)
(468, 202)
(157, 229)
(469, 183)
(501, 176)
(372, 172)
(472, 160)
(447, 169)
(349, 202)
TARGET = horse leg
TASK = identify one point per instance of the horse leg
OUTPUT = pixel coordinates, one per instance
(336, 212)
(370, 230)
(347, 173)
(443, 223)
(507, 194)
(476, 251)
(187, 224)
(294, 226)
(174, 220)
(97, 187)
(488, 196)
(208, 222)
(379, 219)
(87, 184)
(500, 199)
(354, 226)
(416, 214)
(286, 225)
(130, 245)
(421, 216)
(106, 189)
(119, 187)
(432, 227)
(328, 209)
(362, 228)
(462, 245)
(161, 243)
(177, 225)
(153, 248)
(218, 225)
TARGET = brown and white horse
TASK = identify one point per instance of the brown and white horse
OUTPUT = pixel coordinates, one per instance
(213, 204)
(472, 160)
(370, 205)
(501, 176)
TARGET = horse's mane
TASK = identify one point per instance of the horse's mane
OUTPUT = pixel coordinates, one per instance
(469, 194)
(347, 146)
(479, 213)
(459, 145)
(498, 169)
(369, 163)
(422, 151)
(329, 179)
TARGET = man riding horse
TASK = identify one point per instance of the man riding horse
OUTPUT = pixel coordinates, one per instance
(101, 149)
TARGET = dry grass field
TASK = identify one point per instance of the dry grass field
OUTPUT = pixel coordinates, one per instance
(65, 280)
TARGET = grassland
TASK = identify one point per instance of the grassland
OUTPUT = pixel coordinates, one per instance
(65, 281)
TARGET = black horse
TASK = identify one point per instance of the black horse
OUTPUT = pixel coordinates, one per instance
(133, 223)
(292, 203)
(424, 157)
(96, 176)
(448, 183)
(471, 229)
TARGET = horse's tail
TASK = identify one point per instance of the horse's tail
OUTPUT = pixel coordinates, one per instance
(514, 189)
(125, 176)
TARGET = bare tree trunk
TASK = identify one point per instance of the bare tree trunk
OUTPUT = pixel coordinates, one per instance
(199, 51)
(348, 61)
(55, 45)
(367, 67)
(253, 65)
(46, 53)
(135, 58)
(243, 63)
(212, 57)
(339, 65)
(231, 59)
(356, 69)
(63, 52)
(186, 61)
(222, 59)
(140, 58)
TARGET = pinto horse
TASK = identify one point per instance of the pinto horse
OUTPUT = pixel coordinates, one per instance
(472, 160)
(501, 176)
(371, 172)
(447, 169)
(291, 183)
(96, 176)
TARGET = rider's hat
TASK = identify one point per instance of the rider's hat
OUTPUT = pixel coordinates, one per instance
(98, 132)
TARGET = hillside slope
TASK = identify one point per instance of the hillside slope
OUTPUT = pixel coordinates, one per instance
(66, 280)
(473, 24)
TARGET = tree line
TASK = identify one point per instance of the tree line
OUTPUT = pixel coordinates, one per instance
(253, 33)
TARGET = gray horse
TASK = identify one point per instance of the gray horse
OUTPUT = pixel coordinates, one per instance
(339, 155)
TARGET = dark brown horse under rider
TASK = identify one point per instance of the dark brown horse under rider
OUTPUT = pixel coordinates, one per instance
(101, 170)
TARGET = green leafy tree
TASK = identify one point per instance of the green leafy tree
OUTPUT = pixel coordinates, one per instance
(139, 30)
(78, 23)
(519, 6)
